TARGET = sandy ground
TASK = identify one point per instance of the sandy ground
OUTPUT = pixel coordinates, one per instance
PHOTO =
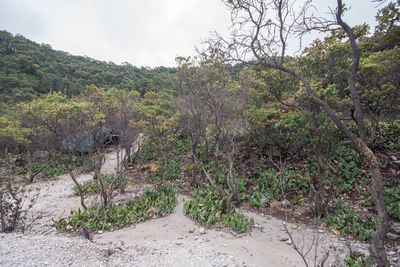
(174, 240)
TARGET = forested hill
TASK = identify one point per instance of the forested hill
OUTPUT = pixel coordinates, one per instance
(29, 69)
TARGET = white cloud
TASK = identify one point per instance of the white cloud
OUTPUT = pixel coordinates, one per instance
(143, 33)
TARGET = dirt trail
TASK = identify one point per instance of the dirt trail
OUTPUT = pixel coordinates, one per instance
(175, 240)
(260, 247)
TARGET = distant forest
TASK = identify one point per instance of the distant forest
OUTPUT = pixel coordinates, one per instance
(29, 69)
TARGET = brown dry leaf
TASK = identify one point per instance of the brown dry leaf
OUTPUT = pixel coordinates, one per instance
(336, 232)
(153, 168)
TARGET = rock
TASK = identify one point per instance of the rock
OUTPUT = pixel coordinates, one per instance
(321, 231)
(294, 226)
(202, 231)
(289, 242)
(396, 228)
(392, 236)
(191, 231)
(178, 243)
(100, 232)
(284, 239)
(394, 158)
(391, 253)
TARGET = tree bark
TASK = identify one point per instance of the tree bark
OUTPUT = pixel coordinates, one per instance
(353, 74)
(377, 195)
(81, 194)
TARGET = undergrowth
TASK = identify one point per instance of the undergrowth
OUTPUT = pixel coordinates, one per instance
(206, 208)
(153, 203)
(346, 221)
(90, 187)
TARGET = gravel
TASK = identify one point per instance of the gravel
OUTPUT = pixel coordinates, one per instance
(46, 250)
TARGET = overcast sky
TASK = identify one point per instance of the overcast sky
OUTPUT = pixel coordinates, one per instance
(141, 32)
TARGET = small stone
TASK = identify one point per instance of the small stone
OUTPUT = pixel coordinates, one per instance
(100, 232)
(191, 231)
(224, 245)
(294, 226)
(396, 228)
(391, 253)
(284, 239)
(289, 242)
(392, 236)
(202, 231)
(178, 243)
(321, 231)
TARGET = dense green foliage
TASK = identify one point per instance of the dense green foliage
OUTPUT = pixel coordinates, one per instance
(153, 203)
(347, 222)
(206, 208)
(28, 70)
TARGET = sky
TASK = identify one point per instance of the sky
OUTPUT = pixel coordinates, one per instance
(140, 32)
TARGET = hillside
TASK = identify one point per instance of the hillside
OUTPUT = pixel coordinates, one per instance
(29, 69)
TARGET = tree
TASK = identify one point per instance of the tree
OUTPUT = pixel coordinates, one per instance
(124, 130)
(157, 119)
(211, 112)
(261, 34)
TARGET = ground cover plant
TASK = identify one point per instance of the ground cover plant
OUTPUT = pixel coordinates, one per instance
(207, 209)
(153, 203)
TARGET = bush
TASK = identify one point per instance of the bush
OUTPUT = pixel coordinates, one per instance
(152, 204)
(206, 208)
(16, 199)
(92, 186)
